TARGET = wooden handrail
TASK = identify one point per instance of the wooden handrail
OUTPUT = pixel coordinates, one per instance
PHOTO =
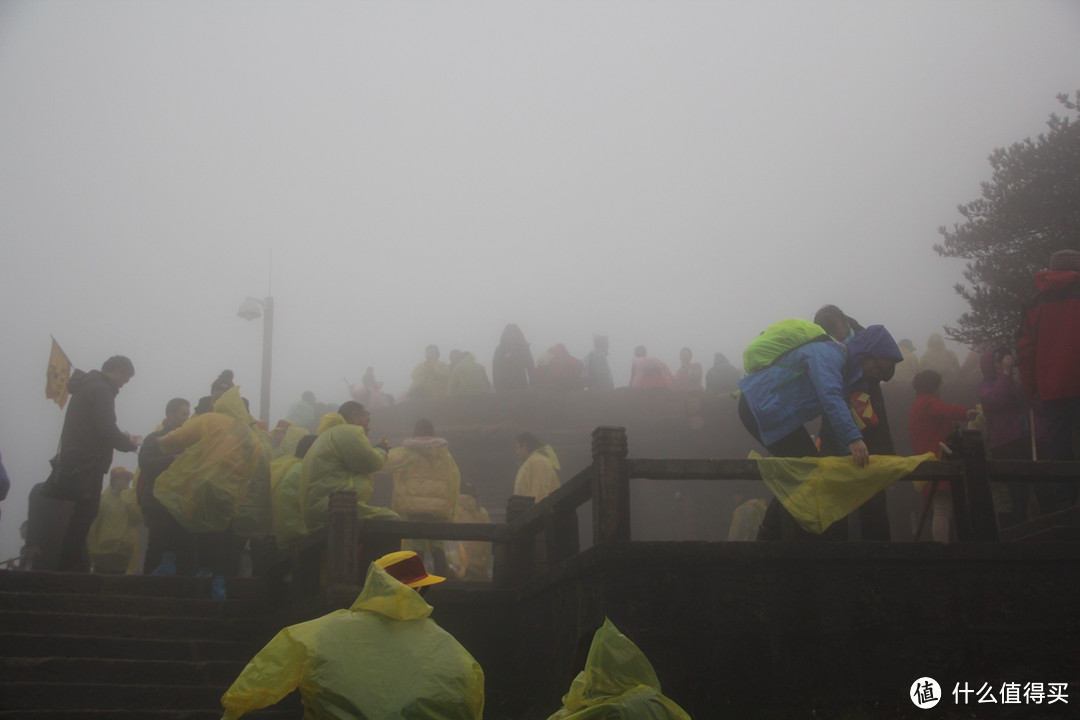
(605, 482)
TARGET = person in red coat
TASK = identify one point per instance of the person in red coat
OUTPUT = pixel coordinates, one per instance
(1048, 356)
(930, 422)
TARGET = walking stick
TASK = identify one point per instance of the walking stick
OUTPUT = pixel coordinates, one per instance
(1031, 427)
(930, 497)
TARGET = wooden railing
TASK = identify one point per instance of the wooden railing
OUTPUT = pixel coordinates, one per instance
(543, 534)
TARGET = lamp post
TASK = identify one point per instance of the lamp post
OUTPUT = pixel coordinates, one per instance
(252, 309)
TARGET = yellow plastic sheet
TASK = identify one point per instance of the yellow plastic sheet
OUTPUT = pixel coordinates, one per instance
(382, 658)
(618, 682)
(819, 491)
(204, 487)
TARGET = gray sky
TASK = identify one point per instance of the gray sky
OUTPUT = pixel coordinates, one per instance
(666, 173)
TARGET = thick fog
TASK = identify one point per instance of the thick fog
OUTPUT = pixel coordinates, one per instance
(397, 174)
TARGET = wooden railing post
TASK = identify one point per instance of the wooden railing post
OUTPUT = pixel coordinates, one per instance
(973, 504)
(611, 487)
(343, 580)
(513, 561)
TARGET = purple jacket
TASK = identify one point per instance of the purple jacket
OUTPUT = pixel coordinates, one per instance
(1002, 402)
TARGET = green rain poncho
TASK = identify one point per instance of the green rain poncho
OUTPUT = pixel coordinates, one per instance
(819, 491)
(204, 488)
(341, 458)
(382, 658)
(618, 682)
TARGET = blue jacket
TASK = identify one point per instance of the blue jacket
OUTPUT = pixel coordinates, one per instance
(804, 384)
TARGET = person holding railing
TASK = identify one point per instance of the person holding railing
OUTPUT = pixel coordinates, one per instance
(806, 382)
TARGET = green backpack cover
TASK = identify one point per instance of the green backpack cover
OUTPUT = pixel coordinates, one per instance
(779, 338)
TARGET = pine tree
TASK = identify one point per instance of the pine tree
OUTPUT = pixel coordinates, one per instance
(1028, 210)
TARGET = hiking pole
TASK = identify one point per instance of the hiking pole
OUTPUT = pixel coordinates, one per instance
(1031, 427)
(930, 497)
(926, 509)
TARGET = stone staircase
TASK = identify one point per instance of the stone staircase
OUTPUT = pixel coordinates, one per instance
(98, 646)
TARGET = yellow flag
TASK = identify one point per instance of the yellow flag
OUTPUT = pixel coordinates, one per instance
(59, 372)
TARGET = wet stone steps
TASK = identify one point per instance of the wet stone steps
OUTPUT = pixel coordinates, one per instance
(92, 646)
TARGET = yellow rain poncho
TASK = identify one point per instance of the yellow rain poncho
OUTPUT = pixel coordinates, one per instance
(382, 658)
(114, 536)
(426, 478)
(538, 476)
(429, 381)
(341, 458)
(204, 487)
(293, 435)
(468, 378)
(288, 514)
(254, 514)
(819, 491)
(618, 682)
(477, 554)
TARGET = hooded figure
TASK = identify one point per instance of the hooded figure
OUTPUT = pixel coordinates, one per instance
(384, 657)
(468, 377)
(512, 365)
(538, 475)
(938, 357)
(723, 377)
(618, 682)
(558, 370)
(597, 371)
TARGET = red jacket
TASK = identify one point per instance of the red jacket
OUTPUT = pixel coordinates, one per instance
(931, 421)
(1048, 349)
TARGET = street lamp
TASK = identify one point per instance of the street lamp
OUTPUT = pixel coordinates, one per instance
(252, 309)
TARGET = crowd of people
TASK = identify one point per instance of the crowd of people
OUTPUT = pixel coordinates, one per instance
(212, 480)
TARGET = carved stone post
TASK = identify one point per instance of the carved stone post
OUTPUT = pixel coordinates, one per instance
(973, 504)
(611, 488)
(343, 581)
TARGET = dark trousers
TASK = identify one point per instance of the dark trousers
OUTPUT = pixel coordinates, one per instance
(1063, 424)
(74, 556)
(778, 521)
(167, 535)
(220, 552)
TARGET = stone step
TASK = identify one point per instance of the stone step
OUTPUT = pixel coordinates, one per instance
(288, 709)
(127, 626)
(130, 672)
(81, 700)
(129, 605)
(27, 645)
(139, 585)
(77, 696)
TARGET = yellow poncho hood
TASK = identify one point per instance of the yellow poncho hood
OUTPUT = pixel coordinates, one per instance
(618, 681)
